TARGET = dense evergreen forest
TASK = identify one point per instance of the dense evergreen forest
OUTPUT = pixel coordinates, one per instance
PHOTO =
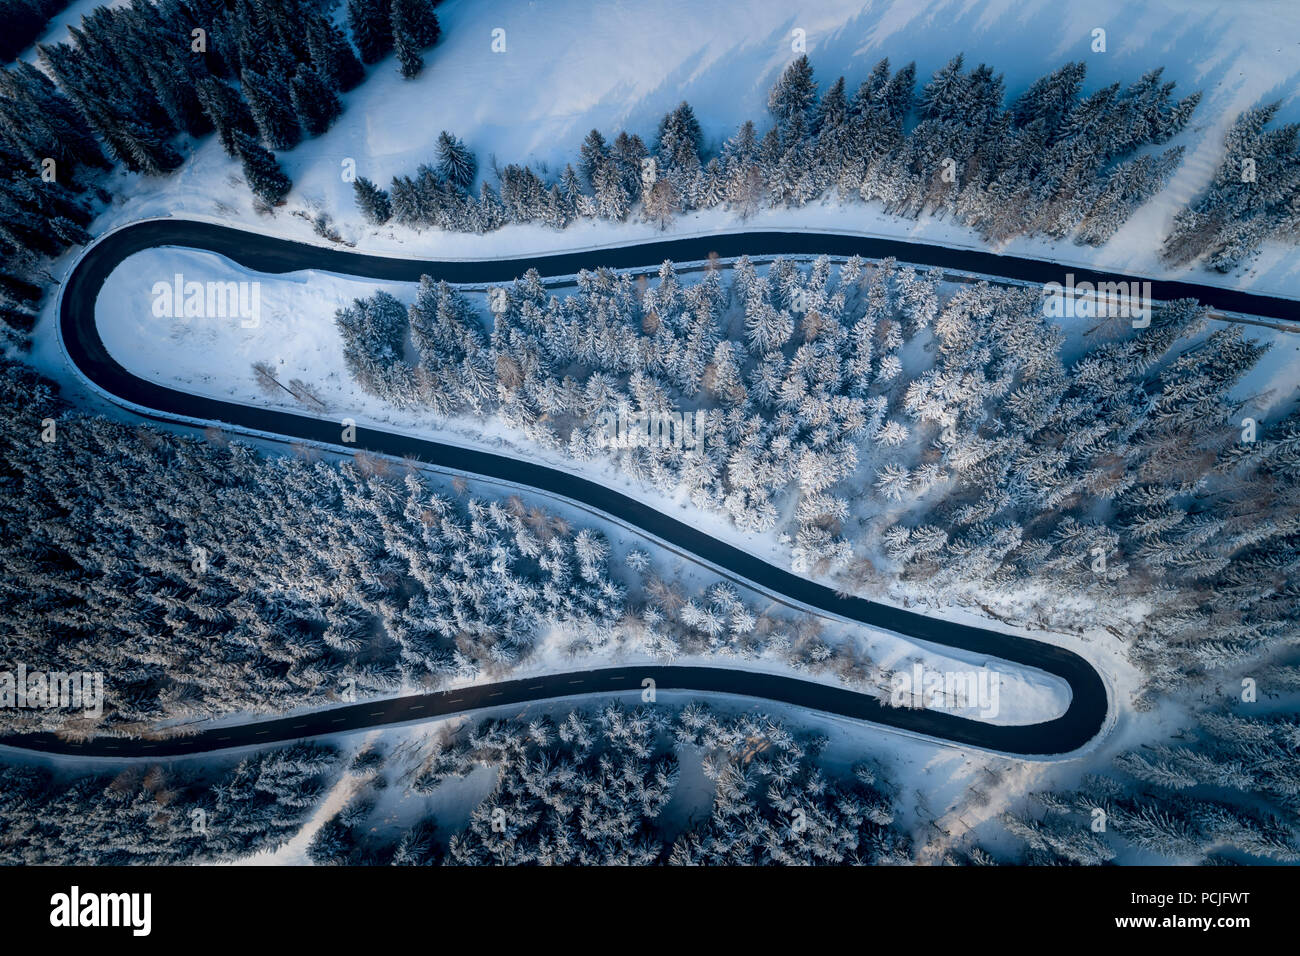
(591, 789)
(1054, 162)
(588, 789)
(604, 785)
(1227, 792)
(202, 578)
(160, 814)
(898, 434)
(871, 401)
(596, 787)
(1254, 196)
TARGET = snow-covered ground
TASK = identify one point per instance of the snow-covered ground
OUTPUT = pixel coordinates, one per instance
(570, 66)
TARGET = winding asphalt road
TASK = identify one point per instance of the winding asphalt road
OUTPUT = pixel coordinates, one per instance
(1082, 721)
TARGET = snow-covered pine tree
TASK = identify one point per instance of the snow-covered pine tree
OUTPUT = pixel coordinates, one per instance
(226, 111)
(263, 173)
(271, 106)
(662, 203)
(456, 163)
(592, 155)
(315, 103)
(372, 29)
(794, 93)
(409, 61)
(332, 55)
(372, 201)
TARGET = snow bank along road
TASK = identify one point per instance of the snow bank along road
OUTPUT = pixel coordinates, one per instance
(1082, 721)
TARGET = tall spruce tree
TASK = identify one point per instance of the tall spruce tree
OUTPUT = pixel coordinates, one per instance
(227, 112)
(409, 61)
(417, 21)
(265, 178)
(371, 29)
(313, 100)
(373, 202)
(332, 55)
(794, 93)
(456, 164)
(271, 106)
